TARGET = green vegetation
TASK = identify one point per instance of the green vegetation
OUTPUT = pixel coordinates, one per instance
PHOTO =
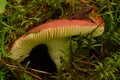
(93, 58)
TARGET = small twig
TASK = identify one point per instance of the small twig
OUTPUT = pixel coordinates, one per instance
(95, 57)
(86, 62)
(82, 69)
(35, 70)
(78, 68)
(102, 51)
(8, 65)
(33, 75)
(22, 69)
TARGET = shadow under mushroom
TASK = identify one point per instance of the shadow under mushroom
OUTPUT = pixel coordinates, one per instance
(40, 59)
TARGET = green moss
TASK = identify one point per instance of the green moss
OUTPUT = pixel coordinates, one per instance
(95, 58)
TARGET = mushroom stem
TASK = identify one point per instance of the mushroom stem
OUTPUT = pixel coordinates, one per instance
(58, 49)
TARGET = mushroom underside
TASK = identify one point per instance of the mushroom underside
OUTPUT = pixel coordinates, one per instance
(19, 52)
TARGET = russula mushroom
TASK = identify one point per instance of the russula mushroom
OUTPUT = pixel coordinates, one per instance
(54, 34)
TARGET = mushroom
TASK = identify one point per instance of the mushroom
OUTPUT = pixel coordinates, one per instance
(55, 35)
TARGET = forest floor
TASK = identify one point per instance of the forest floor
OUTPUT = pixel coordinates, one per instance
(94, 58)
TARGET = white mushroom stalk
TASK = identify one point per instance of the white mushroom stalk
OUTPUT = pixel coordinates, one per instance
(54, 34)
